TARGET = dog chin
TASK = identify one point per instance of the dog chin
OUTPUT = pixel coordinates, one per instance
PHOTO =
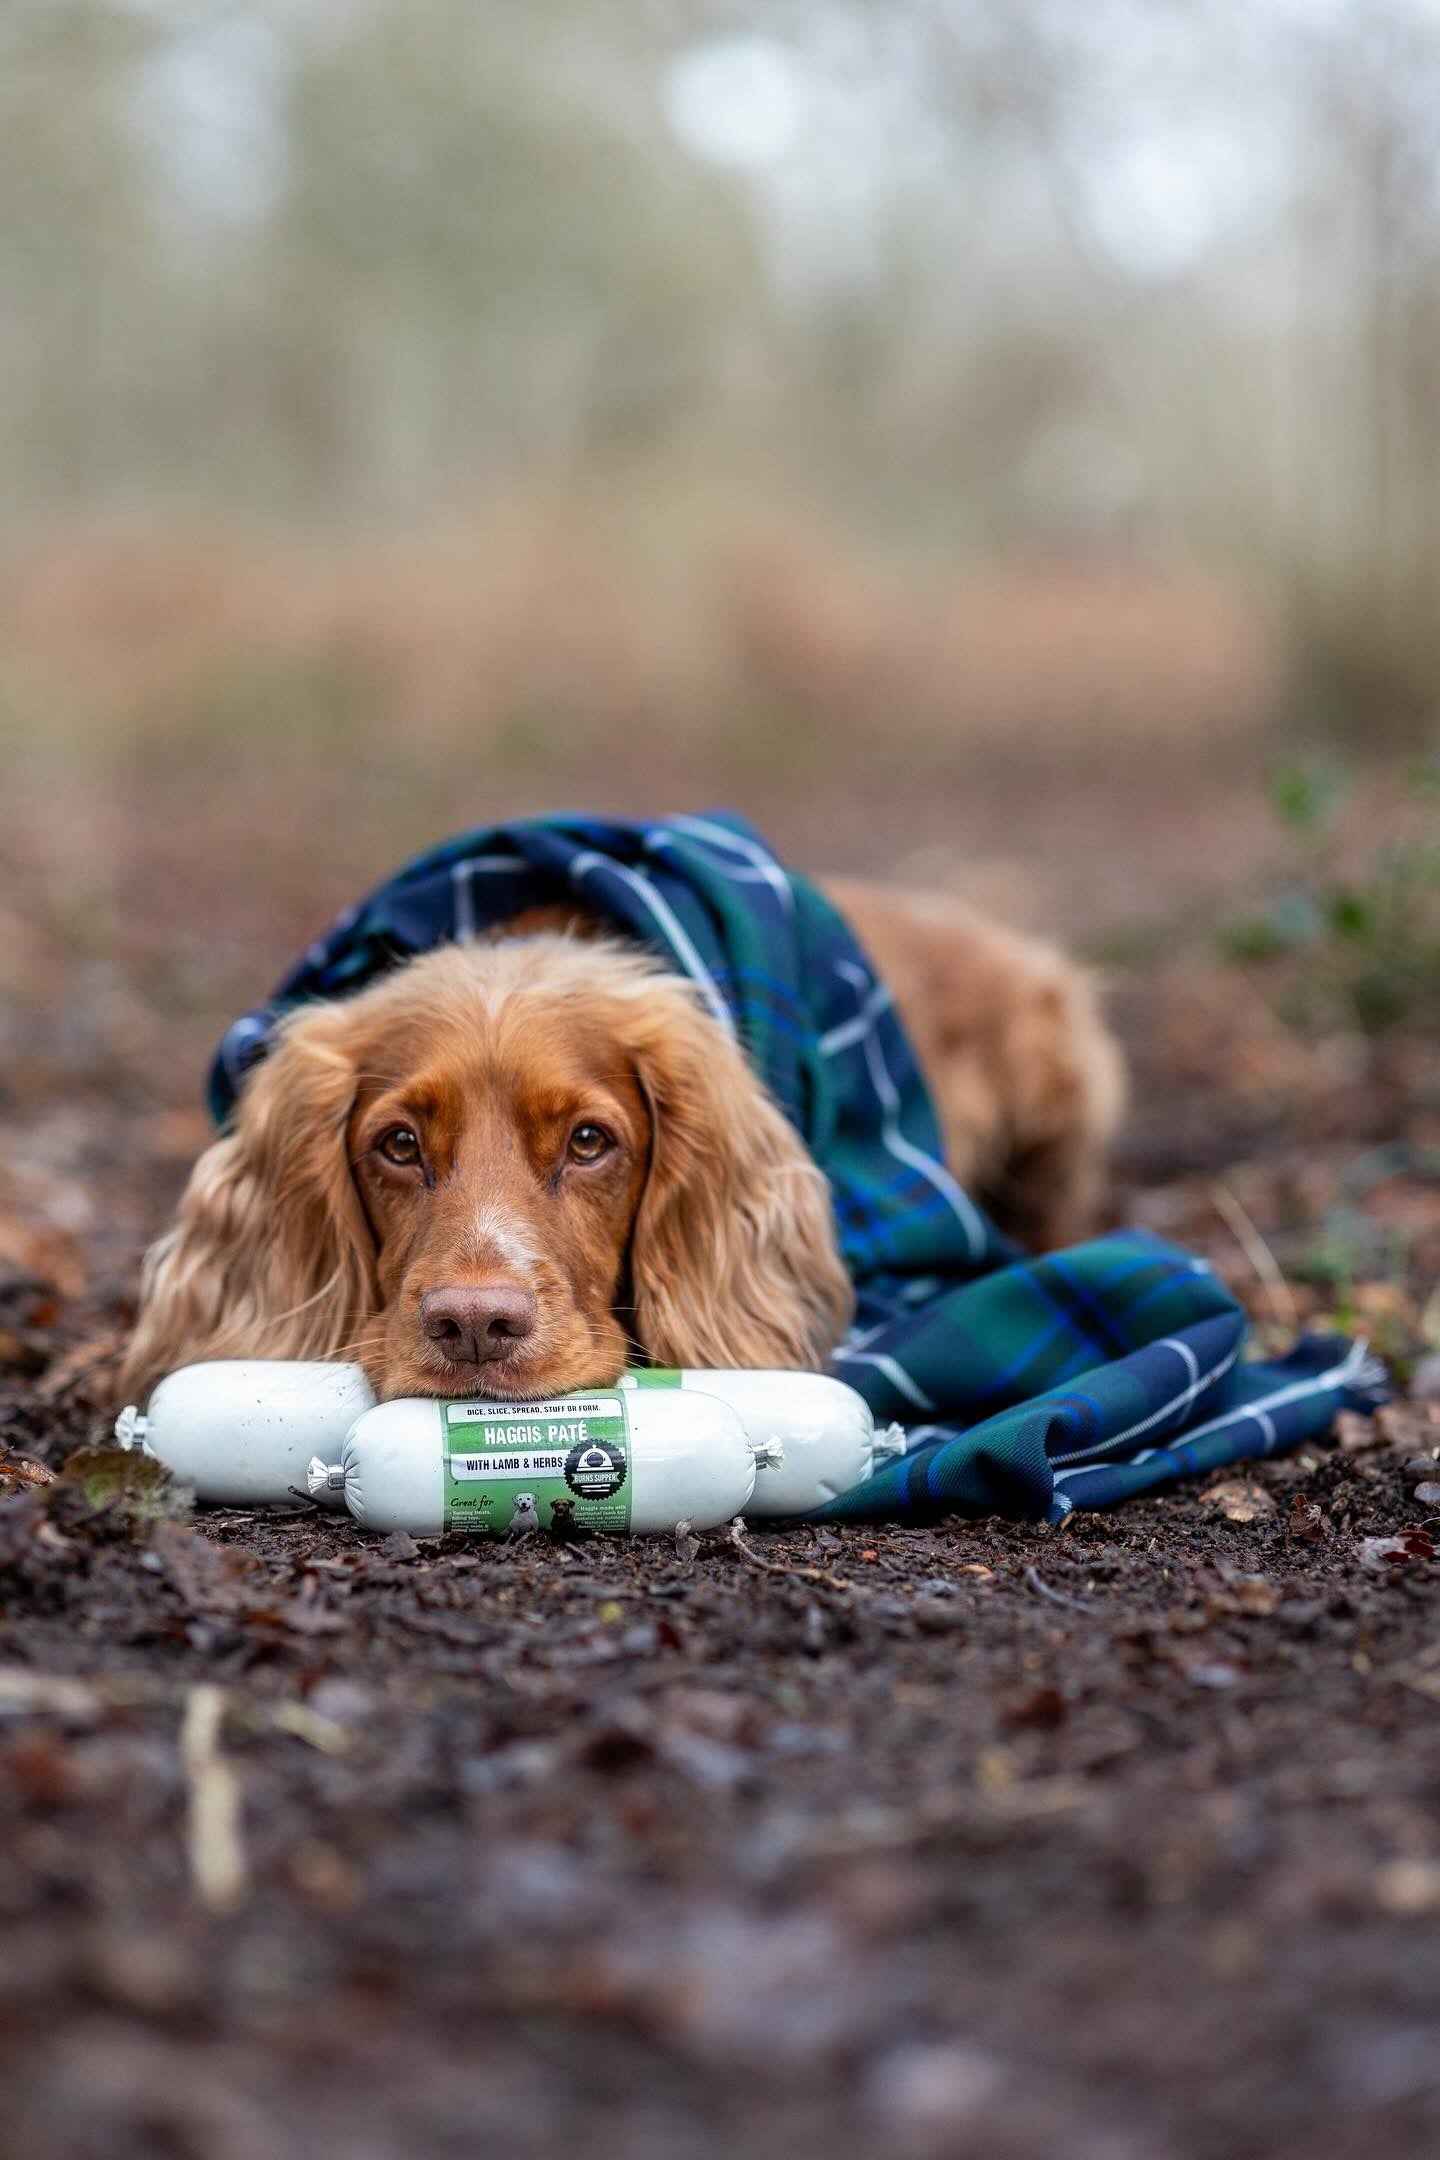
(490, 1384)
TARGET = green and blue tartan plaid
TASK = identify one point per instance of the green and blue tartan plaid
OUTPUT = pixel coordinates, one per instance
(1027, 1386)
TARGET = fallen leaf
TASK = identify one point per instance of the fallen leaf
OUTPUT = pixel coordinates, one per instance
(300, 1617)
(113, 1473)
(995, 1768)
(930, 2089)
(1239, 1501)
(1307, 1520)
(1212, 1673)
(1408, 1888)
(1043, 1705)
(27, 1473)
(1383, 1555)
(1254, 1596)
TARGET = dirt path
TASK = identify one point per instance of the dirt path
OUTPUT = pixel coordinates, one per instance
(1117, 1843)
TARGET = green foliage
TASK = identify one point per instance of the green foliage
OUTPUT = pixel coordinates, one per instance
(1308, 795)
(1351, 932)
(135, 1484)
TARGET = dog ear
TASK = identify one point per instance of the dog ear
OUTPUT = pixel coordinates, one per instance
(733, 1258)
(271, 1255)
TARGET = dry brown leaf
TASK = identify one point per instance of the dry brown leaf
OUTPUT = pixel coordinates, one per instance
(1239, 1501)
(1253, 1596)
(1307, 1520)
(1408, 1888)
(27, 1473)
(1384, 1555)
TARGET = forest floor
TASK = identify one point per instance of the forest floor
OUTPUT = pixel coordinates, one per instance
(1119, 1841)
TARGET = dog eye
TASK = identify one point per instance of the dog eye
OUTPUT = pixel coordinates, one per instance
(400, 1145)
(588, 1143)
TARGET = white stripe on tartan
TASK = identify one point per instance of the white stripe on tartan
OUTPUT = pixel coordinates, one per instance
(916, 1436)
(894, 1140)
(1350, 1368)
(690, 960)
(463, 903)
(461, 874)
(1182, 1401)
(765, 869)
(854, 1031)
(860, 1338)
(1192, 1363)
(894, 1372)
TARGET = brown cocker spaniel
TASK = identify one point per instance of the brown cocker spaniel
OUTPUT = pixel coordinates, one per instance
(505, 1167)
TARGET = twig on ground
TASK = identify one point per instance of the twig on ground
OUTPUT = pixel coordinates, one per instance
(778, 1567)
(217, 1859)
(54, 1694)
(1242, 1227)
(1042, 1588)
(308, 1725)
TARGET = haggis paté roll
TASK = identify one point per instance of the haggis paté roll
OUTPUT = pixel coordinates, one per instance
(242, 1431)
(621, 1460)
(826, 1430)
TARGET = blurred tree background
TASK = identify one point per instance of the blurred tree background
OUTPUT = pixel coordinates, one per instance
(831, 405)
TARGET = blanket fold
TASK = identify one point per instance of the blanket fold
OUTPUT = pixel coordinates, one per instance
(1027, 1385)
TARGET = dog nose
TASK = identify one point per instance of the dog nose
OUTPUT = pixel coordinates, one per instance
(472, 1326)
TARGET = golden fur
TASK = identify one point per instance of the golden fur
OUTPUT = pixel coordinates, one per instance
(703, 1234)
(1025, 1075)
(713, 1210)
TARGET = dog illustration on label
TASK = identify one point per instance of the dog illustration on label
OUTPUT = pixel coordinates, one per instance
(525, 1516)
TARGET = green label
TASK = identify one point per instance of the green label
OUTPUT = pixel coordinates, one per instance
(511, 1467)
(652, 1376)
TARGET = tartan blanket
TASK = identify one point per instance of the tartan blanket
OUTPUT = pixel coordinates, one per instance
(1027, 1385)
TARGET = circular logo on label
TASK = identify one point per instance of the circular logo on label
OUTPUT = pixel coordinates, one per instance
(595, 1469)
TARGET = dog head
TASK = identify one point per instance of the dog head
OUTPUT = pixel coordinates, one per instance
(498, 1172)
